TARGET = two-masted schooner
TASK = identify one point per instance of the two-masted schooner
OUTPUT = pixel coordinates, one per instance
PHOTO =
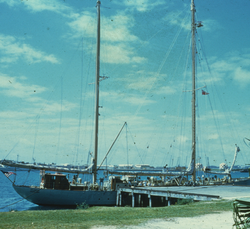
(56, 189)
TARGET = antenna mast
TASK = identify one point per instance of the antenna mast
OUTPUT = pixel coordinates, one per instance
(193, 26)
(97, 90)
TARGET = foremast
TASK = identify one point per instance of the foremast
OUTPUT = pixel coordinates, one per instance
(97, 93)
(193, 26)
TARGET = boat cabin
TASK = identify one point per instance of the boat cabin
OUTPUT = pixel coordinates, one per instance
(55, 181)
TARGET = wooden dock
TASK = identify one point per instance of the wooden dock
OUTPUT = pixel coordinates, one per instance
(166, 196)
(154, 197)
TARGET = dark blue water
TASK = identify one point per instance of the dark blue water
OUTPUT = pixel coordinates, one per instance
(8, 196)
(10, 200)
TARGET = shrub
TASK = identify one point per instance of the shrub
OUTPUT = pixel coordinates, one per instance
(184, 201)
(82, 206)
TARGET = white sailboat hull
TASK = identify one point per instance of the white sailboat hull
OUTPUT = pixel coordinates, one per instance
(53, 197)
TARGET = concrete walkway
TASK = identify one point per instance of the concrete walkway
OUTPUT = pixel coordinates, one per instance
(224, 191)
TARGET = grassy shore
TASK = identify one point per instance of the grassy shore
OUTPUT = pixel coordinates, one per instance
(115, 216)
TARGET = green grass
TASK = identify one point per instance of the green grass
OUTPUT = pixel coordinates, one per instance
(116, 216)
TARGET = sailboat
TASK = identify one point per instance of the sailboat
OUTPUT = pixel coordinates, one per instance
(55, 189)
(181, 177)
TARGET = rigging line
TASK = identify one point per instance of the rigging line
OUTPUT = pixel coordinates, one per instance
(247, 144)
(103, 135)
(60, 122)
(92, 102)
(27, 177)
(217, 128)
(136, 147)
(39, 113)
(35, 137)
(181, 117)
(200, 144)
(224, 108)
(182, 51)
(83, 95)
(80, 108)
(144, 43)
(198, 136)
(125, 124)
(127, 144)
(196, 89)
(23, 135)
(184, 84)
(105, 49)
(216, 125)
(211, 107)
(159, 69)
(88, 161)
(163, 27)
(15, 145)
(184, 101)
(175, 72)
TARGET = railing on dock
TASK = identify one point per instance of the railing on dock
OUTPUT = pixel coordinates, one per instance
(154, 197)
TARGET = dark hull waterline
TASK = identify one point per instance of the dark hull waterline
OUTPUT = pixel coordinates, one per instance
(53, 197)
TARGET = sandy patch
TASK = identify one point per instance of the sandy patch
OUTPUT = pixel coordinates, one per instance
(222, 220)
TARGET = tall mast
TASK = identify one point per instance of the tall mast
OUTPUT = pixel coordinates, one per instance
(97, 91)
(193, 91)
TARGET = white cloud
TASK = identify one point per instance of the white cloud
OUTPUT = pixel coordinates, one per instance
(176, 18)
(117, 28)
(182, 139)
(11, 3)
(52, 107)
(142, 5)
(242, 76)
(120, 54)
(210, 25)
(13, 50)
(14, 115)
(132, 99)
(213, 136)
(144, 81)
(116, 36)
(235, 66)
(83, 24)
(141, 83)
(39, 5)
(222, 65)
(167, 90)
(138, 100)
(113, 29)
(16, 87)
(13, 87)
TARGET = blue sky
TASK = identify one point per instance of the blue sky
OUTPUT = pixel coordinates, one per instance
(47, 80)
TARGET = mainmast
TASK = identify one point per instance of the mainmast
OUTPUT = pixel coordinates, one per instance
(97, 91)
(193, 91)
